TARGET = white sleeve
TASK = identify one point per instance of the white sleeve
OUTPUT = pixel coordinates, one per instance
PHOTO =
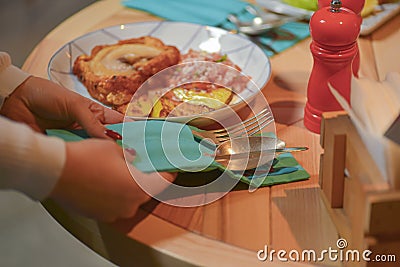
(30, 162)
(10, 76)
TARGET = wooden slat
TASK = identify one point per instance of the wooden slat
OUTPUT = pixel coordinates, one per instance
(384, 215)
(333, 141)
(338, 171)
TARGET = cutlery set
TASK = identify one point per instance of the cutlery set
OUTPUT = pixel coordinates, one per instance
(262, 23)
(239, 146)
(250, 152)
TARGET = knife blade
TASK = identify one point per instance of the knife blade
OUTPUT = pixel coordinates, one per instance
(254, 154)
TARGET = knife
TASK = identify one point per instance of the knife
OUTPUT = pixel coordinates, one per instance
(277, 6)
(252, 154)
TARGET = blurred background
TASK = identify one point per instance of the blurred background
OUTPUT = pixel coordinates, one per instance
(23, 23)
(29, 236)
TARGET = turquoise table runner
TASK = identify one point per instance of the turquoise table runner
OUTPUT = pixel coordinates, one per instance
(215, 13)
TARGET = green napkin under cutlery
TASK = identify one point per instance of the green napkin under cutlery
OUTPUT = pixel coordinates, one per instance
(168, 146)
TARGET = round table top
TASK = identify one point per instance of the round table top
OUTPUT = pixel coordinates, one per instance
(233, 229)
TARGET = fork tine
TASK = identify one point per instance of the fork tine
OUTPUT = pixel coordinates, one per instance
(242, 125)
(258, 128)
(255, 129)
(254, 122)
(248, 127)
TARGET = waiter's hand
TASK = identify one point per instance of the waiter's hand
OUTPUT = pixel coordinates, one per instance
(96, 181)
(43, 104)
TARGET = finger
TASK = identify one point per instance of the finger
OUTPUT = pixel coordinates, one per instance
(87, 119)
(96, 109)
(127, 119)
(91, 116)
(105, 115)
(112, 116)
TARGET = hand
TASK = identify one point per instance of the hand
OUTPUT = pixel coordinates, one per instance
(43, 104)
(96, 182)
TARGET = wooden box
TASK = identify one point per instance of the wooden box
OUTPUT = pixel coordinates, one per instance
(365, 210)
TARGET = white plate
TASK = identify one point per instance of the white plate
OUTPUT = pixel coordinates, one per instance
(248, 56)
(370, 23)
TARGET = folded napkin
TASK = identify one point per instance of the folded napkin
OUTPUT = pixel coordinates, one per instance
(168, 146)
(373, 108)
(215, 13)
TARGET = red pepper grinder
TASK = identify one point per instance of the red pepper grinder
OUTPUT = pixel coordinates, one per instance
(334, 31)
(356, 6)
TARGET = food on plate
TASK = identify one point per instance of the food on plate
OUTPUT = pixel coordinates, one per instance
(113, 73)
(195, 86)
(196, 55)
(198, 66)
(191, 98)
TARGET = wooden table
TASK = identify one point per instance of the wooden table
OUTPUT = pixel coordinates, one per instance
(230, 231)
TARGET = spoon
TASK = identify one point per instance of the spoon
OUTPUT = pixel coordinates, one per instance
(261, 23)
(245, 153)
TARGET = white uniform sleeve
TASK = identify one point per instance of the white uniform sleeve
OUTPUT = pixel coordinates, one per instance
(10, 76)
(30, 162)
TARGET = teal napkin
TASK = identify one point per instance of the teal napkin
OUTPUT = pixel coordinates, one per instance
(168, 146)
(164, 146)
(207, 12)
(215, 13)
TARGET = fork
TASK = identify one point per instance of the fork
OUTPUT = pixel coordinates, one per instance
(249, 127)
